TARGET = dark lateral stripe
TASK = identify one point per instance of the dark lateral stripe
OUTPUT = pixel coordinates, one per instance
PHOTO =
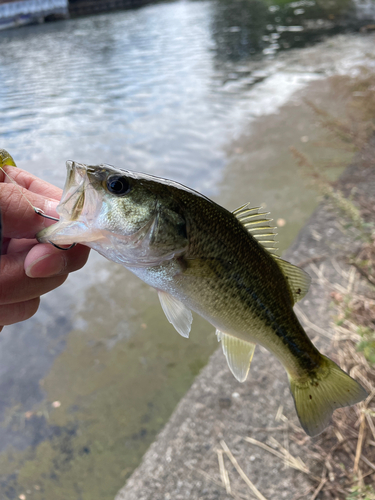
(306, 361)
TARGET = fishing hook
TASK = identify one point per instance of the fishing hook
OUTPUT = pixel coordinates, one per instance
(61, 248)
(39, 211)
(5, 158)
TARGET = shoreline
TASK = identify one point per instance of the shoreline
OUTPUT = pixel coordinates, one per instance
(183, 461)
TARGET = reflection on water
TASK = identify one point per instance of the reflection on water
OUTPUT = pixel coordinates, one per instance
(128, 88)
(150, 92)
(259, 28)
(171, 89)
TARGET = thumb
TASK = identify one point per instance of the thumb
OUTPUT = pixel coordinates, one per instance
(44, 260)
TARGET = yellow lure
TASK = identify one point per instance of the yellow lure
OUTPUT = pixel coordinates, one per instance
(6, 159)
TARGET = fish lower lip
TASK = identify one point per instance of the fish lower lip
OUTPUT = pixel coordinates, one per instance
(61, 233)
(68, 233)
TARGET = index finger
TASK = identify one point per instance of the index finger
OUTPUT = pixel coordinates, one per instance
(30, 182)
(19, 220)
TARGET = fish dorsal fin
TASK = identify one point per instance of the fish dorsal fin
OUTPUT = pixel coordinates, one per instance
(238, 353)
(298, 280)
(258, 224)
(260, 228)
(177, 314)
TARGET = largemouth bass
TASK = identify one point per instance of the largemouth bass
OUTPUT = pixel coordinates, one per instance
(201, 257)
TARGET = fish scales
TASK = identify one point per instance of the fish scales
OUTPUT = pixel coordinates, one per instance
(201, 257)
(246, 282)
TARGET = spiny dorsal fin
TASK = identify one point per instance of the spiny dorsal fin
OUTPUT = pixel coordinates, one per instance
(177, 313)
(298, 280)
(238, 353)
(260, 228)
(258, 225)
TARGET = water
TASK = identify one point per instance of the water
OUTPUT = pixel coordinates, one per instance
(151, 91)
(195, 91)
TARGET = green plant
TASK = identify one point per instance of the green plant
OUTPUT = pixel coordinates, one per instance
(367, 344)
(361, 493)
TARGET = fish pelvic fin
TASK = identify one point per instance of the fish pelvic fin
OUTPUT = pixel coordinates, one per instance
(317, 397)
(238, 354)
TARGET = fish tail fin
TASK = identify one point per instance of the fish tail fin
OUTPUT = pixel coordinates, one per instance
(317, 397)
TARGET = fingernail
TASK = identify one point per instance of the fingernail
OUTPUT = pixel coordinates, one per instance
(50, 207)
(46, 266)
(51, 204)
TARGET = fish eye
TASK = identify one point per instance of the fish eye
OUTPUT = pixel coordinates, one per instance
(118, 185)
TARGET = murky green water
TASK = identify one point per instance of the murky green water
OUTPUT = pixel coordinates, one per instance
(185, 90)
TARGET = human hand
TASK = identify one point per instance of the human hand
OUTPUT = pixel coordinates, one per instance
(29, 269)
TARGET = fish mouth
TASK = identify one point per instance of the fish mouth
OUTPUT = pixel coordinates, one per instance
(77, 208)
(68, 233)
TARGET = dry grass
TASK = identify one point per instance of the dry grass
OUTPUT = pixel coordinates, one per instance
(344, 455)
(346, 451)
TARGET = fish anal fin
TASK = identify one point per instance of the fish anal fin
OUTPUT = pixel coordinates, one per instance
(176, 312)
(298, 280)
(238, 354)
(316, 398)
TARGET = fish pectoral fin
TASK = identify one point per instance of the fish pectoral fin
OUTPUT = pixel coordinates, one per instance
(238, 353)
(298, 280)
(177, 314)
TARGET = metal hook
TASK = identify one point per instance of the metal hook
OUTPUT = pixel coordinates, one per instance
(61, 248)
(39, 211)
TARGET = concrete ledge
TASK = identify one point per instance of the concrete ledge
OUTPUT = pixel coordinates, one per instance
(182, 463)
